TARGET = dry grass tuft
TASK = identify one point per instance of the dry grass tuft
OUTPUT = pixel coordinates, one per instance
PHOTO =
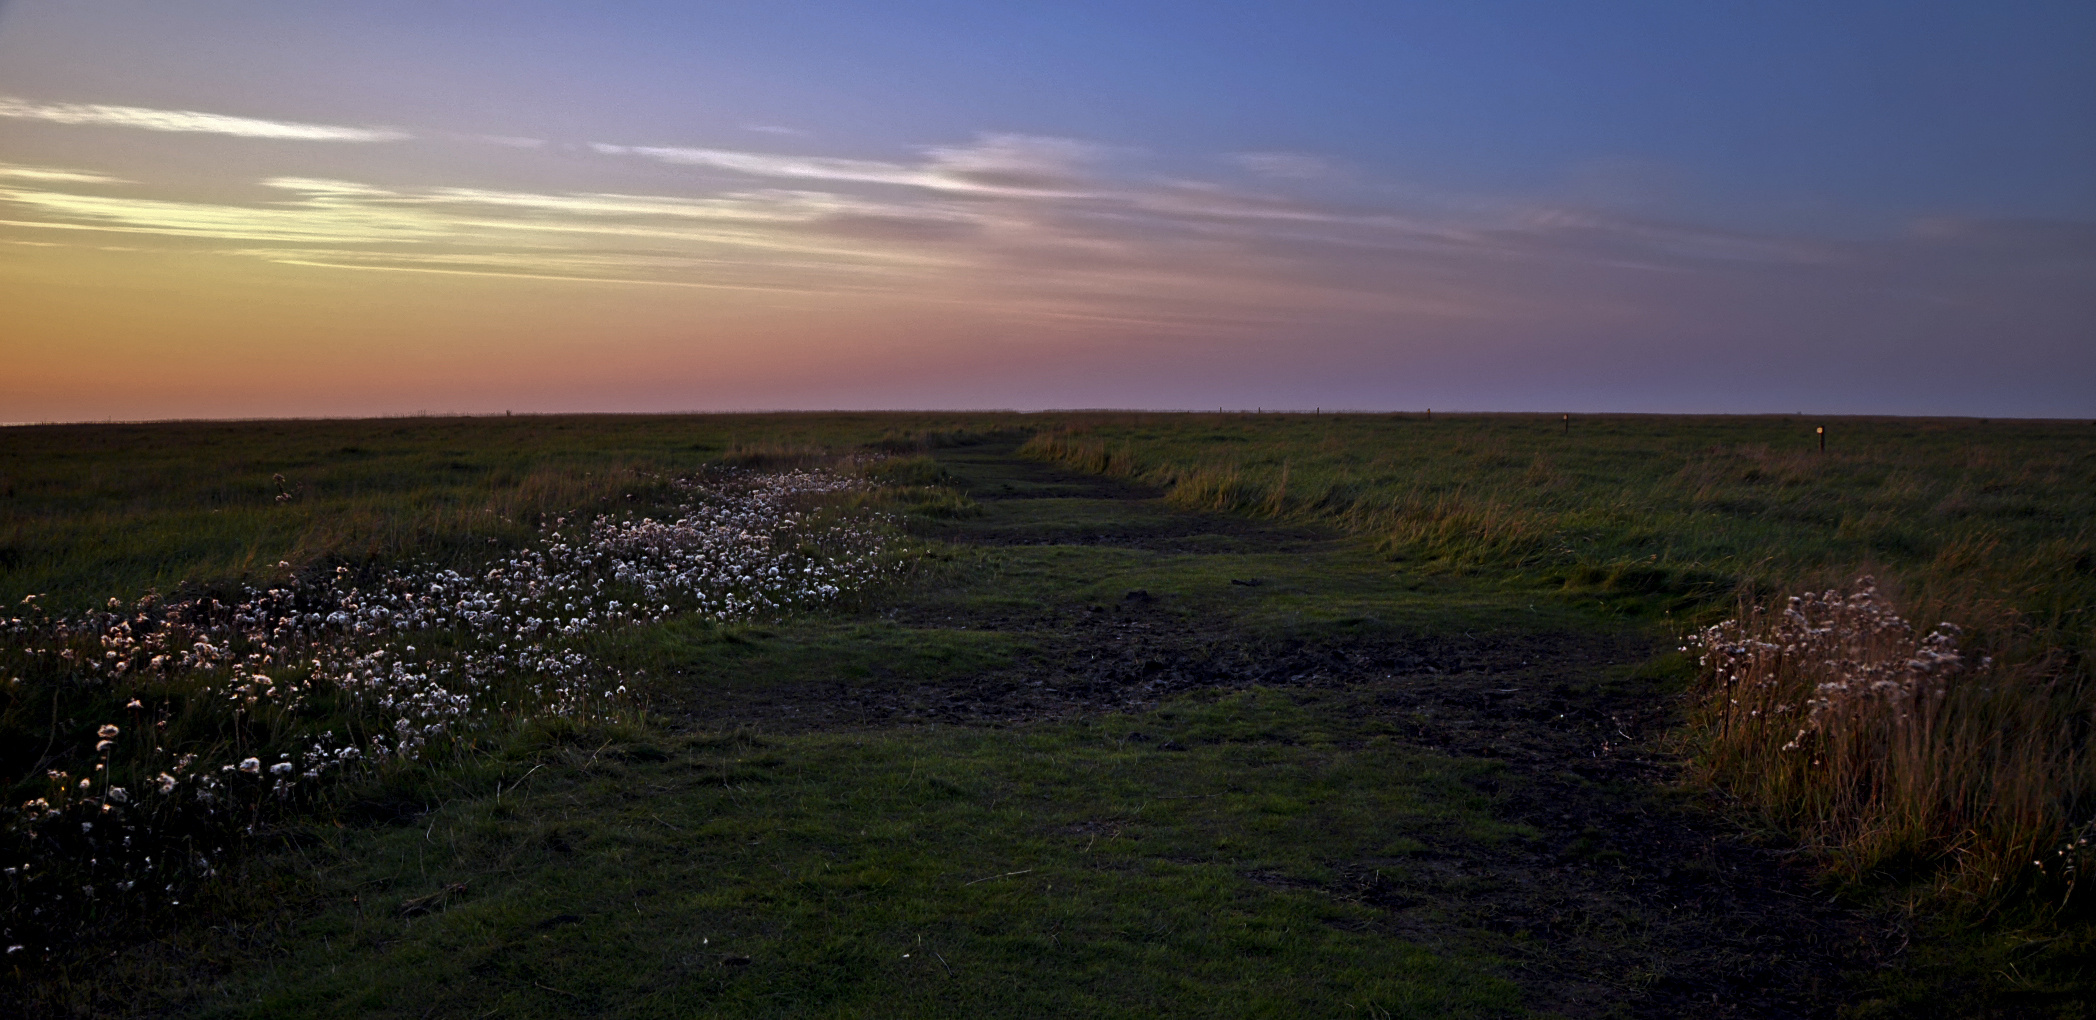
(1894, 750)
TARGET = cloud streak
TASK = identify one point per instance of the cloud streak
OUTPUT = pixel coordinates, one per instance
(1283, 165)
(1057, 232)
(998, 164)
(189, 122)
(56, 175)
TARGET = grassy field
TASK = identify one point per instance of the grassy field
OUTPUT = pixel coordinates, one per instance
(211, 629)
(1654, 509)
(1983, 785)
(100, 511)
(1174, 715)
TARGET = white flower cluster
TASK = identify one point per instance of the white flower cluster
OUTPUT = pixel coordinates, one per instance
(740, 550)
(404, 659)
(1840, 660)
(748, 546)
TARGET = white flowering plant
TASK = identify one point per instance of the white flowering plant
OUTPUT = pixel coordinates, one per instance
(1878, 742)
(180, 726)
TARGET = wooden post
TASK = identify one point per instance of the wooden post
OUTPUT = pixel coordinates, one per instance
(1822, 430)
(1568, 424)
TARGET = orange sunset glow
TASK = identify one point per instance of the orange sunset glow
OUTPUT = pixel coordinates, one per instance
(284, 222)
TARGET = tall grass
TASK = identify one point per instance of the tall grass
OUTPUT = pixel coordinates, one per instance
(1893, 749)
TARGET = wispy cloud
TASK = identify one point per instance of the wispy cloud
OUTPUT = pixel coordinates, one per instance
(189, 121)
(1033, 237)
(757, 164)
(1018, 163)
(315, 221)
(765, 240)
(56, 175)
(1036, 227)
(992, 165)
(573, 269)
(1283, 165)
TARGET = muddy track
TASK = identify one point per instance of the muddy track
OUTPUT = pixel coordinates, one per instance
(1636, 900)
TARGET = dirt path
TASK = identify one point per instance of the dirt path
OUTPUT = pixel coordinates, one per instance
(1634, 899)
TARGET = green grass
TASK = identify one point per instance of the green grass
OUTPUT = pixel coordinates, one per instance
(1056, 871)
(1984, 524)
(704, 660)
(808, 800)
(90, 512)
(1656, 511)
(1648, 509)
(179, 508)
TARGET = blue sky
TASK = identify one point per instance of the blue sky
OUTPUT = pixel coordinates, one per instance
(1852, 206)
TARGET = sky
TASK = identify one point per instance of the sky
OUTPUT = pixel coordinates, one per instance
(258, 208)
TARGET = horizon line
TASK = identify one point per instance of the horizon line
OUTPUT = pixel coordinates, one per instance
(1251, 411)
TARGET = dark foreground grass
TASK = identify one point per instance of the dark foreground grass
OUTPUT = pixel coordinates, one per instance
(1168, 864)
